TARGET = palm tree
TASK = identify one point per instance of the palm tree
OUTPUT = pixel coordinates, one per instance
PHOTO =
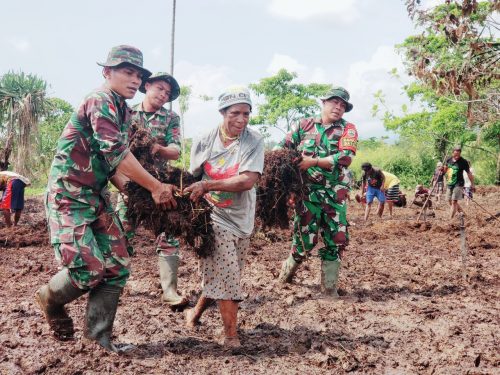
(23, 102)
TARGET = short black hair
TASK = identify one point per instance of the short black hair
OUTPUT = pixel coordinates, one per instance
(366, 165)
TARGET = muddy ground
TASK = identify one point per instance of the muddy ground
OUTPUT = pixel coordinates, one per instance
(405, 306)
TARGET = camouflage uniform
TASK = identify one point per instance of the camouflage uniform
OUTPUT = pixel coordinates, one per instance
(88, 238)
(323, 210)
(165, 127)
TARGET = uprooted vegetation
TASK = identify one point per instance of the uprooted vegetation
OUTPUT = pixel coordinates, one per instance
(189, 220)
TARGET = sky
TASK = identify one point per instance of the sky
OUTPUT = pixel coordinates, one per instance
(219, 43)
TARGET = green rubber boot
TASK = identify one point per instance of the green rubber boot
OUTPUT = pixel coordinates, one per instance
(52, 297)
(288, 269)
(100, 315)
(168, 266)
(329, 278)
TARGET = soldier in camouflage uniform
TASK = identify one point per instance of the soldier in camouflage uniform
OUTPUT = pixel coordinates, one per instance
(164, 126)
(88, 238)
(327, 145)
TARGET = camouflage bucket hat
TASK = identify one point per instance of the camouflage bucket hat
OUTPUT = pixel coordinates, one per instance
(126, 55)
(341, 93)
(175, 89)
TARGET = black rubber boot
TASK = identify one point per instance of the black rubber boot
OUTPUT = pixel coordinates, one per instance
(52, 297)
(100, 315)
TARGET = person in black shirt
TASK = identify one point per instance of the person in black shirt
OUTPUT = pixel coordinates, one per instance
(373, 181)
(454, 169)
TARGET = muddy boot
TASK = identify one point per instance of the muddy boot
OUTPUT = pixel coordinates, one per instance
(52, 297)
(100, 315)
(168, 266)
(288, 269)
(330, 277)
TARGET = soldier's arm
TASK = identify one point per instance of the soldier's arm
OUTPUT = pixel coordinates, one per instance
(119, 180)
(161, 193)
(104, 120)
(347, 147)
(292, 138)
(172, 150)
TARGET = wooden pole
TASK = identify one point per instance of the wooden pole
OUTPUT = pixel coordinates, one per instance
(425, 203)
(172, 38)
(172, 43)
(463, 247)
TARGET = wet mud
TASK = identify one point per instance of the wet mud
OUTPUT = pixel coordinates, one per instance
(408, 305)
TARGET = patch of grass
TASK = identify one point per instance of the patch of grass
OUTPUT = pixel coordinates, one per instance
(34, 191)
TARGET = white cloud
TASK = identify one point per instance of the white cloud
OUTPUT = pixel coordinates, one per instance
(365, 78)
(427, 4)
(344, 11)
(305, 74)
(284, 62)
(157, 51)
(204, 80)
(20, 44)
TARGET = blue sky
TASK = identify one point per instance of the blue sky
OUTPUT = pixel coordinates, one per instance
(218, 43)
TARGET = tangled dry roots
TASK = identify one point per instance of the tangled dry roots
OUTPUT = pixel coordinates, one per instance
(280, 182)
(189, 220)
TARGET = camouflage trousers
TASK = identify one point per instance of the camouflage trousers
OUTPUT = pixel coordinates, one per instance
(88, 240)
(323, 213)
(165, 245)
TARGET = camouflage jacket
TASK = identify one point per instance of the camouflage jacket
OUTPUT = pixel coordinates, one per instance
(90, 148)
(163, 124)
(336, 141)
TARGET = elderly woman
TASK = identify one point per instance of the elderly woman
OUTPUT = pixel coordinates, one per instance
(230, 159)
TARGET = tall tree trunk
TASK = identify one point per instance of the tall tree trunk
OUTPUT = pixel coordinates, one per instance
(497, 179)
(5, 154)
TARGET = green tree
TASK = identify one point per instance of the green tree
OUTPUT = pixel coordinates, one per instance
(50, 130)
(457, 54)
(284, 100)
(454, 62)
(184, 102)
(23, 102)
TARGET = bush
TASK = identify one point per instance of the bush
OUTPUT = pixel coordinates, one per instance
(412, 164)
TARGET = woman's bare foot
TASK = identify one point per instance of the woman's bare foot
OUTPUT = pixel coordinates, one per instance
(231, 342)
(191, 320)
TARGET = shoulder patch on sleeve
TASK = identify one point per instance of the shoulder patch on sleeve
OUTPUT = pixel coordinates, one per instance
(349, 139)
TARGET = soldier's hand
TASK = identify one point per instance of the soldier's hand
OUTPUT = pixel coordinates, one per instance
(155, 148)
(307, 162)
(164, 196)
(196, 190)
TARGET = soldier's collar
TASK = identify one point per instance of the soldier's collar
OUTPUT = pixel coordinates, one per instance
(340, 122)
(120, 99)
(161, 111)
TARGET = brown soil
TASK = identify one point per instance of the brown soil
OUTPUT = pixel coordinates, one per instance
(405, 307)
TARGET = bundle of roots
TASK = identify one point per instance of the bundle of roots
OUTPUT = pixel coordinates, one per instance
(280, 185)
(189, 220)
